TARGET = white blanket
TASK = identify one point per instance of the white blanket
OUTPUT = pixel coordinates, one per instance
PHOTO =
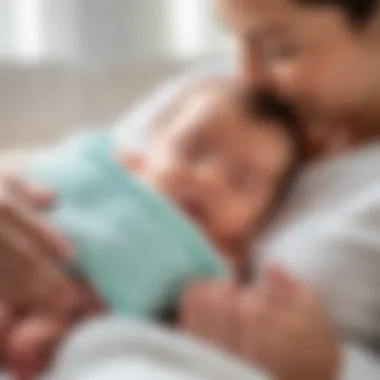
(113, 348)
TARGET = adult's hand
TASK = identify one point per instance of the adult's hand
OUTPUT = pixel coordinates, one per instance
(27, 245)
(31, 342)
(280, 326)
(38, 303)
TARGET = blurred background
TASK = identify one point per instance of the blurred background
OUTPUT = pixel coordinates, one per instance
(69, 63)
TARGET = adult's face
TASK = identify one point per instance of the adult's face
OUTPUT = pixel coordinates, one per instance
(313, 55)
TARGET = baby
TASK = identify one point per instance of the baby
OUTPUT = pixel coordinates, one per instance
(226, 159)
(216, 167)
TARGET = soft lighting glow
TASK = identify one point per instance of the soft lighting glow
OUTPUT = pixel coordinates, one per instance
(185, 27)
(28, 22)
(192, 30)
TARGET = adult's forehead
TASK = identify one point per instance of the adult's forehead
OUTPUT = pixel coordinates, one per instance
(244, 13)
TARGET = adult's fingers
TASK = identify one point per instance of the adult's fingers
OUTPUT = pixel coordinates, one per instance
(209, 313)
(90, 302)
(280, 287)
(25, 274)
(222, 316)
(21, 204)
(254, 323)
(6, 320)
(193, 306)
(31, 346)
(17, 271)
(20, 222)
(34, 195)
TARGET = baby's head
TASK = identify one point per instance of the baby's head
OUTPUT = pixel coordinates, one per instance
(223, 158)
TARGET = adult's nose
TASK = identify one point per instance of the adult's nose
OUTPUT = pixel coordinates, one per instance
(254, 72)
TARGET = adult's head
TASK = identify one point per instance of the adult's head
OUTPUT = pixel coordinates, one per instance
(322, 54)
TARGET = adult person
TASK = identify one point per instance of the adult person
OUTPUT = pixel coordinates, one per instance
(324, 56)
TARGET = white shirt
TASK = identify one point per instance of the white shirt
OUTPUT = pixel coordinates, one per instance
(329, 236)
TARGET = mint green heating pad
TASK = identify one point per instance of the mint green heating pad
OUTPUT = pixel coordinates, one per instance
(137, 250)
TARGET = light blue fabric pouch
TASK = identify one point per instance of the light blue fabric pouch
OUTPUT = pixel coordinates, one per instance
(137, 250)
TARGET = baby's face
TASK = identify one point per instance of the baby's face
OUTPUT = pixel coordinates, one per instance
(219, 166)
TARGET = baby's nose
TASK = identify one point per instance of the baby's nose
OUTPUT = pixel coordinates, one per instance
(255, 75)
(211, 177)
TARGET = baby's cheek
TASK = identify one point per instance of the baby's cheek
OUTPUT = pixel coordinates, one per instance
(234, 220)
(32, 346)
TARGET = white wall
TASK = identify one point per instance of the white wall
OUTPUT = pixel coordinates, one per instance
(65, 63)
(42, 103)
(108, 31)
(6, 27)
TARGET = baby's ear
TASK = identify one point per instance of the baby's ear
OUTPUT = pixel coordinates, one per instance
(133, 161)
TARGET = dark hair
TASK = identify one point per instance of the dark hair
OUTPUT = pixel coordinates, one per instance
(358, 11)
(269, 107)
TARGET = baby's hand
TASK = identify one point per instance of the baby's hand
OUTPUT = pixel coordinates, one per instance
(281, 326)
(292, 335)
